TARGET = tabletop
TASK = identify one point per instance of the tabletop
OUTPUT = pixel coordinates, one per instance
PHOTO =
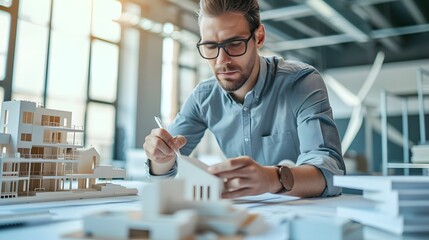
(66, 216)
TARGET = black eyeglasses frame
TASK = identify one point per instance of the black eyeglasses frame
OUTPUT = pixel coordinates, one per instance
(223, 46)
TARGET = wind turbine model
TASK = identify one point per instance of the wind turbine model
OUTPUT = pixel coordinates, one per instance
(359, 106)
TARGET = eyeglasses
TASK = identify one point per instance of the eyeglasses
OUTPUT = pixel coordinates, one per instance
(234, 47)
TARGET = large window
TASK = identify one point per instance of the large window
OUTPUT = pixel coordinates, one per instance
(183, 69)
(103, 77)
(168, 108)
(100, 128)
(192, 70)
(31, 50)
(180, 72)
(4, 41)
(104, 71)
(69, 56)
(66, 58)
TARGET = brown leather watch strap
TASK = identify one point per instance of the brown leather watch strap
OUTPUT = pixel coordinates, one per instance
(285, 178)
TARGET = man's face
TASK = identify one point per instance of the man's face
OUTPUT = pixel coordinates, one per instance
(231, 72)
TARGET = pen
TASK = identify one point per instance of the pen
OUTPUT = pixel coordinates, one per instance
(161, 125)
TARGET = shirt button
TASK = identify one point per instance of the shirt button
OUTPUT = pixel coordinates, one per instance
(245, 108)
(246, 139)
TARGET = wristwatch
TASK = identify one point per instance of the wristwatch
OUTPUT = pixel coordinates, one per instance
(285, 178)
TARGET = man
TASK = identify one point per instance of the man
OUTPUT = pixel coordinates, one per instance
(261, 111)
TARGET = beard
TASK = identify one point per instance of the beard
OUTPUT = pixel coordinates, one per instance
(232, 84)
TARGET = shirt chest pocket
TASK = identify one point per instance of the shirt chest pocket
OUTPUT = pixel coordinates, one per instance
(279, 146)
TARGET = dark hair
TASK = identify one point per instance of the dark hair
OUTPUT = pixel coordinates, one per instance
(249, 8)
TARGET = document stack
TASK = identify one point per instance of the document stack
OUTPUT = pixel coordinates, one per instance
(420, 153)
(397, 204)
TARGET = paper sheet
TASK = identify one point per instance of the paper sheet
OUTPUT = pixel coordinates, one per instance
(258, 200)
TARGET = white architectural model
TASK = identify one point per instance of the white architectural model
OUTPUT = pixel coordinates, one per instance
(40, 160)
(200, 185)
(167, 214)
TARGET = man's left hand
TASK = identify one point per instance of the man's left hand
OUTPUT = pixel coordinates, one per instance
(244, 176)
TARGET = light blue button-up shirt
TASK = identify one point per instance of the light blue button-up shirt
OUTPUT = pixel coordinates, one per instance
(287, 116)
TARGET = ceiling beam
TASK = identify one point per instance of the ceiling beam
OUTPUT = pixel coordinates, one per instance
(392, 32)
(278, 35)
(414, 10)
(340, 18)
(369, 2)
(307, 30)
(313, 42)
(287, 12)
(343, 38)
(380, 22)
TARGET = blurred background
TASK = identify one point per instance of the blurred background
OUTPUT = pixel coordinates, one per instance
(116, 64)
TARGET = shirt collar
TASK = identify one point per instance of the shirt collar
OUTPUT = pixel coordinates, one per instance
(262, 78)
(259, 85)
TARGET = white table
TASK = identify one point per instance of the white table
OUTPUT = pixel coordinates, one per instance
(67, 216)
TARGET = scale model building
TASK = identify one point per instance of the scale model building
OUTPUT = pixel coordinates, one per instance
(200, 185)
(166, 213)
(43, 158)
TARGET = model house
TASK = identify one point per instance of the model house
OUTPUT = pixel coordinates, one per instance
(42, 158)
(200, 185)
(167, 214)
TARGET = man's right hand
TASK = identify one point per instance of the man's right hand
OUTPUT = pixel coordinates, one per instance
(159, 146)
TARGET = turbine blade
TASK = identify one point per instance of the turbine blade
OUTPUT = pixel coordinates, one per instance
(342, 92)
(373, 73)
(352, 128)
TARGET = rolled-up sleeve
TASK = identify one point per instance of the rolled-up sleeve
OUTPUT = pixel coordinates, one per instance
(152, 177)
(318, 135)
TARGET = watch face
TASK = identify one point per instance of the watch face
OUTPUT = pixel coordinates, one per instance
(286, 178)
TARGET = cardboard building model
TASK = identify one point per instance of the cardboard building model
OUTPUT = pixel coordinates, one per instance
(167, 214)
(200, 185)
(42, 158)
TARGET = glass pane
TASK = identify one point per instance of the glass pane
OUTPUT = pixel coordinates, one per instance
(35, 11)
(6, 3)
(187, 83)
(30, 59)
(167, 79)
(76, 107)
(103, 26)
(204, 70)
(72, 16)
(104, 71)
(1, 96)
(2, 67)
(188, 56)
(68, 69)
(4, 41)
(100, 129)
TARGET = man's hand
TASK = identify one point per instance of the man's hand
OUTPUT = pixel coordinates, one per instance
(244, 176)
(159, 146)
